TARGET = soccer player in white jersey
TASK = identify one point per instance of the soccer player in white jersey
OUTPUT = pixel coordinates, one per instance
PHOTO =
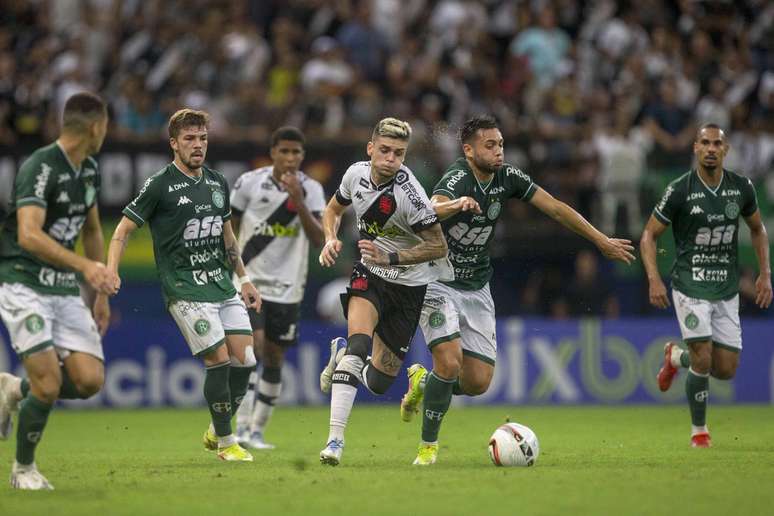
(402, 250)
(276, 210)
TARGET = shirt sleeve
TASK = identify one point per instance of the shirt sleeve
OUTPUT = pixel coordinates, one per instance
(420, 215)
(34, 184)
(141, 209)
(315, 198)
(447, 183)
(749, 198)
(344, 192)
(519, 184)
(667, 207)
(240, 195)
(226, 200)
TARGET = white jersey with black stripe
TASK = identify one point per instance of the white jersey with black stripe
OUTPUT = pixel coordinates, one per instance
(391, 214)
(274, 246)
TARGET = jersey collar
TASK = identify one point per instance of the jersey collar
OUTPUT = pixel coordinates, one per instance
(715, 191)
(191, 178)
(76, 171)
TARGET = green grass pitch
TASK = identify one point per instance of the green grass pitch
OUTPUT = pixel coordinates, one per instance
(593, 460)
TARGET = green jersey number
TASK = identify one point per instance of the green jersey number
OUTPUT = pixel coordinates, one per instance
(712, 237)
(203, 228)
(466, 235)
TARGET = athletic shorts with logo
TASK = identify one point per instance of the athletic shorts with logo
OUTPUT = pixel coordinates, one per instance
(398, 307)
(448, 313)
(702, 320)
(205, 325)
(278, 320)
(37, 321)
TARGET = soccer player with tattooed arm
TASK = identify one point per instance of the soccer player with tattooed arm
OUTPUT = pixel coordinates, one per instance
(402, 250)
(187, 207)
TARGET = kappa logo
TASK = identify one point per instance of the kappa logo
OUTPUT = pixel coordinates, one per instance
(63, 198)
(696, 210)
(183, 200)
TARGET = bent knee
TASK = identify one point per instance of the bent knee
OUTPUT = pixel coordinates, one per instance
(724, 373)
(476, 388)
(90, 386)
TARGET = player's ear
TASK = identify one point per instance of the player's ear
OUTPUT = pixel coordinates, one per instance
(370, 148)
(467, 149)
(173, 144)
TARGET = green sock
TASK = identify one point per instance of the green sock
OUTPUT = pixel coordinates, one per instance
(216, 392)
(438, 393)
(238, 379)
(68, 390)
(697, 389)
(24, 387)
(457, 388)
(685, 359)
(33, 415)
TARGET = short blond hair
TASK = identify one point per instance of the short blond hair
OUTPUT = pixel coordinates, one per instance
(392, 128)
(184, 118)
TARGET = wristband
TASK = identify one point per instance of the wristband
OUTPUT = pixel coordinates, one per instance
(243, 280)
(394, 258)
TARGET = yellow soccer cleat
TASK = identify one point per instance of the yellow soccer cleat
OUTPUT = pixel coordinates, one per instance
(210, 440)
(411, 401)
(234, 453)
(427, 455)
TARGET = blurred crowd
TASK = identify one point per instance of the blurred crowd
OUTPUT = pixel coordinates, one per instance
(594, 97)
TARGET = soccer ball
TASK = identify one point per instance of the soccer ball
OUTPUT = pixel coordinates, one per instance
(513, 444)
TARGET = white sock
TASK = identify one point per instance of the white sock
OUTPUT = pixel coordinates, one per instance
(245, 411)
(675, 355)
(699, 430)
(343, 396)
(262, 411)
(226, 441)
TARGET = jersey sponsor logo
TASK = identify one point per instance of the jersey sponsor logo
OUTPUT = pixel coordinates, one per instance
(713, 217)
(63, 178)
(696, 210)
(732, 210)
(715, 236)
(211, 182)
(494, 210)
(63, 198)
(454, 179)
(462, 259)
(200, 258)
(510, 171)
(665, 198)
(711, 259)
(709, 275)
(497, 190)
(435, 302)
(384, 272)
(401, 177)
(202, 207)
(66, 229)
(34, 323)
(413, 196)
(199, 277)
(76, 208)
(730, 193)
(203, 228)
(696, 195)
(50, 278)
(276, 230)
(172, 188)
(375, 230)
(88, 172)
(217, 198)
(42, 180)
(183, 200)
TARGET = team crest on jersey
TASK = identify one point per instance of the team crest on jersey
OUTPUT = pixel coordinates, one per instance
(217, 198)
(202, 327)
(732, 210)
(386, 204)
(437, 319)
(493, 211)
(34, 323)
(360, 283)
(691, 321)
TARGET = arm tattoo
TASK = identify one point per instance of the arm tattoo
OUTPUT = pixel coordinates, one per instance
(432, 247)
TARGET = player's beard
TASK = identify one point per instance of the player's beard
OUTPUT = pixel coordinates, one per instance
(188, 162)
(485, 167)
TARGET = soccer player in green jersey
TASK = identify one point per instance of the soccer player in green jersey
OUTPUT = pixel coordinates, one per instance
(704, 207)
(458, 317)
(56, 336)
(187, 207)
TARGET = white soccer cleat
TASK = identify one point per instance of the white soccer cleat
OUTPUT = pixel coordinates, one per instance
(331, 455)
(243, 436)
(338, 347)
(28, 477)
(256, 442)
(9, 402)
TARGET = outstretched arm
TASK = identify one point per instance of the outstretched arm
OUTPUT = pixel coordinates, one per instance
(612, 248)
(657, 293)
(760, 242)
(445, 207)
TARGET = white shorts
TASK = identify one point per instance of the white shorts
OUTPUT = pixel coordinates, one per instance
(448, 313)
(205, 325)
(717, 321)
(36, 321)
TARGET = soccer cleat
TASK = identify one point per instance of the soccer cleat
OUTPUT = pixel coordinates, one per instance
(338, 347)
(28, 477)
(256, 442)
(331, 455)
(427, 455)
(701, 441)
(416, 391)
(210, 440)
(9, 402)
(243, 437)
(234, 453)
(667, 372)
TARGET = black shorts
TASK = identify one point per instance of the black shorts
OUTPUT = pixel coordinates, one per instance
(278, 320)
(398, 307)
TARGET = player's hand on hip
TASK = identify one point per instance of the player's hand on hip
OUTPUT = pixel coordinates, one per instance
(763, 291)
(657, 294)
(101, 313)
(98, 277)
(469, 204)
(371, 254)
(330, 252)
(618, 249)
(251, 296)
